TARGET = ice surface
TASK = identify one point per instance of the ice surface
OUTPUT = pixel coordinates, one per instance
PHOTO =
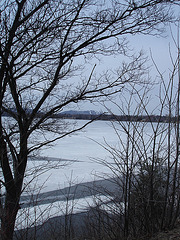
(33, 216)
(72, 160)
(80, 152)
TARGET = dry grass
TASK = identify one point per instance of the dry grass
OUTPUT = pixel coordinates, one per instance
(173, 234)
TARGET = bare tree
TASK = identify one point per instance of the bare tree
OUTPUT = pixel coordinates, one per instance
(43, 45)
(145, 165)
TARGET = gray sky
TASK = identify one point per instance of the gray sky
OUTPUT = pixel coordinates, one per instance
(160, 49)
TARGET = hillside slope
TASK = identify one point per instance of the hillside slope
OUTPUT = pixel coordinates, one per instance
(174, 234)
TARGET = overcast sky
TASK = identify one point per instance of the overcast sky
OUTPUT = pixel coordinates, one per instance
(158, 46)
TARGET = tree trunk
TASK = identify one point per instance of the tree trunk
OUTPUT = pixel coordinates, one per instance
(9, 217)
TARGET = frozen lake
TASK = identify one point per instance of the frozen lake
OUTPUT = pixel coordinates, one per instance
(78, 153)
(63, 173)
(70, 162)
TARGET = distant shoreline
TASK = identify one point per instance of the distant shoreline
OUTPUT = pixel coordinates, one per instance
(92, 115)
(108, 117)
